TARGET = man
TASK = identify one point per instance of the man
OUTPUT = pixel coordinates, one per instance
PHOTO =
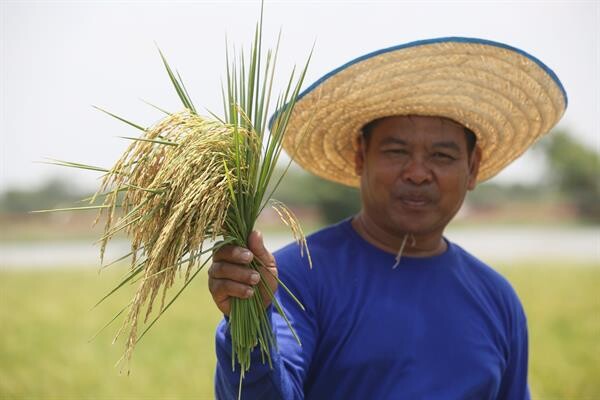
(393, 308)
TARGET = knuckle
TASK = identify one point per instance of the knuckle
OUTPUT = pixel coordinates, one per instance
(233, 255)
(214, 269)
(214, 285)
(223, 253)
(238, 289)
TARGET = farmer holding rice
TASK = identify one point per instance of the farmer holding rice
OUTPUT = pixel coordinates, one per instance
(393, 309)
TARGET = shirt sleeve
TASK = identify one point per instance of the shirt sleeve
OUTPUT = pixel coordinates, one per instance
(514, 380)
(290, 362)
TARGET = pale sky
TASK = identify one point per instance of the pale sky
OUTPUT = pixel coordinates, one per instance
(59, 58)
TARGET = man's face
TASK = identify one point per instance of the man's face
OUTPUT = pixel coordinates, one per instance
(414, 173)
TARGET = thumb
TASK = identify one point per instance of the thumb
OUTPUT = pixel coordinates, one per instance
(257, 246)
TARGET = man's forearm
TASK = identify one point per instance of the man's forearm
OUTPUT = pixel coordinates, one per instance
(261, 381)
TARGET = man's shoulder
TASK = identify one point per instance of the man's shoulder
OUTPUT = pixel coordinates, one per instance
(293, 261)
(487, 276)
(476, 264)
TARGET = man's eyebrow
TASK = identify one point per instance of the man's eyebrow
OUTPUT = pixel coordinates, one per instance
(450, 145)
(393, 140)
(447, 145)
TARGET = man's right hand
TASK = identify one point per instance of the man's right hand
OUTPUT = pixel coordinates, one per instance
(229, 275)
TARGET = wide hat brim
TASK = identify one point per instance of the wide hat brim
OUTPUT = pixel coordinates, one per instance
(507, 97)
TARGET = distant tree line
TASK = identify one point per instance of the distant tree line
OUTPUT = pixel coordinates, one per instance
(575, 171)
(51, 194)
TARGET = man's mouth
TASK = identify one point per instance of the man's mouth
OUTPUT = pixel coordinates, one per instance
(415, 201)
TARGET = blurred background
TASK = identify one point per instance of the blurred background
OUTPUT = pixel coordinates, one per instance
(538, 222)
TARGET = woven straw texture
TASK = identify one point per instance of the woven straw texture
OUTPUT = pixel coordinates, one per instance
(502, 95)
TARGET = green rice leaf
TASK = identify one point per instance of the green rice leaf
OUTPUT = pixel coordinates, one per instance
(156, 107)
(120, 119)
(157, 141)
(73, 165)
(166, 307)
(117, 315)
(187, 103)
(116, 261)
(70, 209)
(129, 277)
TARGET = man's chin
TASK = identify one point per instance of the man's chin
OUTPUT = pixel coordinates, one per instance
(414, 225)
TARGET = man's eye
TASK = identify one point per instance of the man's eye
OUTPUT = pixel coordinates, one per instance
(395, 151)
(443, 156)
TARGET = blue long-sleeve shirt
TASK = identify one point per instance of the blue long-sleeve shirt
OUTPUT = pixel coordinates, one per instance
(442, 327)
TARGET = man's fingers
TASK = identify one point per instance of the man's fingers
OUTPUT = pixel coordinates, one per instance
(257, 246)
(238, 273)
(240, 255)
(229, 275)
(233, 254)
(222, 289)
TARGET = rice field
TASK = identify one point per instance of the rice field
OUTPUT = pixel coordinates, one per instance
(46, 324)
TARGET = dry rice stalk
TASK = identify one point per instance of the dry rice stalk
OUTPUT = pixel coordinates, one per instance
(401, 250)
(290, 220)
(172, 184)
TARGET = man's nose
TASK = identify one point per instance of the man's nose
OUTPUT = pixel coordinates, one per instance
(416, 171)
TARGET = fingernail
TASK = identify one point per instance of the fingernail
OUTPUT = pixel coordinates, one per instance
(246, 255)
(254, 278)
(249, 292)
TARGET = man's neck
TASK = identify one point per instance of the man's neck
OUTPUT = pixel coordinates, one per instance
(412, 245)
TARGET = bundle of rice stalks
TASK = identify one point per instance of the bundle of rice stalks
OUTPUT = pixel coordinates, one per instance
(189, 181)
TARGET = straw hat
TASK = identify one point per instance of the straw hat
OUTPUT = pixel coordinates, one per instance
(507, 97)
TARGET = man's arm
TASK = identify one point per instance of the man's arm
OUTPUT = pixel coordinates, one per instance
(514, 380)
(291, 362)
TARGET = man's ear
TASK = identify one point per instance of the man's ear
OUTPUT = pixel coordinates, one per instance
(359, 156)
(474, 168)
